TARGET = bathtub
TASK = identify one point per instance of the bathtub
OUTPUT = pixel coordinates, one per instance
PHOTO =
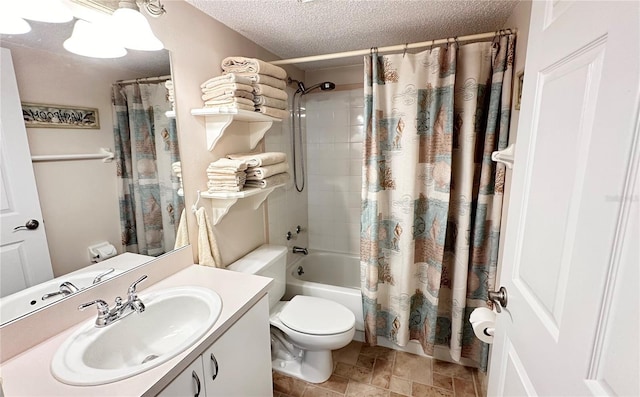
(328, 275)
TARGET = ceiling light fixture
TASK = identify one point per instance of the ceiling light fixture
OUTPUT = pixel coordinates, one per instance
(14, 13)
(131, 27)
(13, 24)
(93, 40)
(52, 11)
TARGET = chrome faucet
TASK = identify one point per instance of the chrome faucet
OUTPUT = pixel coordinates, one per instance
(66, 288)
(102, 275)
(108, 315)
(300, 250)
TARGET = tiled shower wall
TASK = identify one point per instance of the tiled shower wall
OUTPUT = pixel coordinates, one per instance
(287, 207)
(334, 133)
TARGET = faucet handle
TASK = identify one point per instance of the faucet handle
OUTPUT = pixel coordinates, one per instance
(132, 288)
(103, 307)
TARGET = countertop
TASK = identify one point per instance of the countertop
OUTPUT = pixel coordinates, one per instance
(28, 374)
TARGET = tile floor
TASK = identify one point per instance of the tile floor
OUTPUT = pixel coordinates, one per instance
(364, 371)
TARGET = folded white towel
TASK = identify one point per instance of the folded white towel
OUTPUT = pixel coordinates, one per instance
(182, 234)
(226, 78)
(267, 90)
(232, 180)
(273, 112)
(255, 173)
(225, 163)
(271, 102)
(225, 175)
(230, 108)
(233, 187)
(230, 101)
(259, 159)
(264, 79)
(218, 189)
(252, 65)
(278, 179)
(224, 94)
(228, 86)
(208, 252)
(222, 170)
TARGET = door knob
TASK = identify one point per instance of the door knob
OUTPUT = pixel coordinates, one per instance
(499, 298)
(31, 224)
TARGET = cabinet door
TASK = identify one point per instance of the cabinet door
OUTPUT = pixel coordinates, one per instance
(239, 363)
(189, 383)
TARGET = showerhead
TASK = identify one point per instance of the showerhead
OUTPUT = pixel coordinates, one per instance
(325, 86)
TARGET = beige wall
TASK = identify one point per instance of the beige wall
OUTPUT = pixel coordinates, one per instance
(198, 44)
(78, 198)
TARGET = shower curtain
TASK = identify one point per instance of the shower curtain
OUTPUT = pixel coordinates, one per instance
(146, 144)
(431, 196)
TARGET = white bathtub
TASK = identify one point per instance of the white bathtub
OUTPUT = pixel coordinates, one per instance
(328, 275)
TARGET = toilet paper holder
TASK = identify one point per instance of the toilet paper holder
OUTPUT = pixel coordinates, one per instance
(499, 298)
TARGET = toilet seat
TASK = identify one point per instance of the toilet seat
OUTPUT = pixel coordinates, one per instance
(316, 316)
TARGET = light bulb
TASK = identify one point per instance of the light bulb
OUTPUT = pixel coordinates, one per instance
(133, 31)
(93, 40)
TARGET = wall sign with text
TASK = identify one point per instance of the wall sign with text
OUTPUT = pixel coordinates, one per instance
(54, 116)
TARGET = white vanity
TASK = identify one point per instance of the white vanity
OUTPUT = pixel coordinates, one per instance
(232, 358)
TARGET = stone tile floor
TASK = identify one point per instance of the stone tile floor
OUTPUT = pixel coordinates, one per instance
(364, 371)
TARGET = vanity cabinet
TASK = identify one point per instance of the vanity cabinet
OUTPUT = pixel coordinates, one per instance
(237, 364)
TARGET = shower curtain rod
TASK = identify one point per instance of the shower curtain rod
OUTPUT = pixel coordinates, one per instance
(145, 80)
(398, 47)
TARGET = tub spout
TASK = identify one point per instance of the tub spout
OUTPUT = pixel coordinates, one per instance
(300, 250)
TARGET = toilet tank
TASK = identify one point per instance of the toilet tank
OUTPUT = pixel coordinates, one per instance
(268, 261)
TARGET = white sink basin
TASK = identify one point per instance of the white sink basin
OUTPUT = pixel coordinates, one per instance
(174, 319)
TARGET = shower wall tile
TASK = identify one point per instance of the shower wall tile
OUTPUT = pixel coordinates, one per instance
(356, 115)
(356, 133)
(286, 207)
(334, 145)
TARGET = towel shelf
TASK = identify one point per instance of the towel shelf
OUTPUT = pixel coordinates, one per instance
(217, 122)
(222, 202)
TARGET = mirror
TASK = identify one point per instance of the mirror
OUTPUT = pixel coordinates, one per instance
(81, 200)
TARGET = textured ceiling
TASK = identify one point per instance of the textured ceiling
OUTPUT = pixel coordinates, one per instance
(291, 29)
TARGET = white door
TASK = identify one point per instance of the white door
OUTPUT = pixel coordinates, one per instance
(24, 253)
(570, 262)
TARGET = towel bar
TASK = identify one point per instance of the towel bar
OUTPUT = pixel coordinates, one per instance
(106, 155)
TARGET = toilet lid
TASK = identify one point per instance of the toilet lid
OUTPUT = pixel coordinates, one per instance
(316, 316)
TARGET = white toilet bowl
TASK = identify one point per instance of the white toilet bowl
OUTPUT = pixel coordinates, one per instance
(312, 327)
(305, 329)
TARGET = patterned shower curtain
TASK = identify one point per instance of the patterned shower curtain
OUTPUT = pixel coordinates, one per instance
(146, 145)
(432, 197)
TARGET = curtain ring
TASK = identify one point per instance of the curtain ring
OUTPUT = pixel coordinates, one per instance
(455, 40)
(374, 51)
(405, 49)
(431, 46)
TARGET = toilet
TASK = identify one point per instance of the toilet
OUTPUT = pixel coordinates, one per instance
(305, 329)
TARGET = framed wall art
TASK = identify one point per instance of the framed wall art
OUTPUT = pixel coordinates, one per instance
(37, 115)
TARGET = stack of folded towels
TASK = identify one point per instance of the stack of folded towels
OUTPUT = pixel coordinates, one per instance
(248, 84)
(226, 175)
(170, 94)
(263, 169)
(177, 169)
